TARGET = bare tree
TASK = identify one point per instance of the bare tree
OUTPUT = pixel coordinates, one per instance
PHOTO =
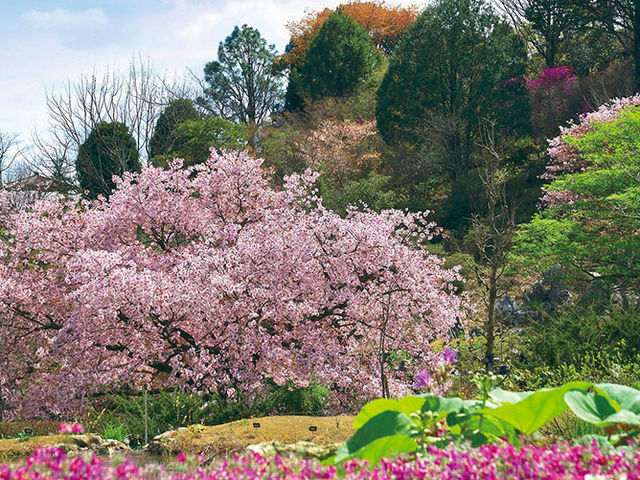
(10, 151)
(135, 98)
(491, 235)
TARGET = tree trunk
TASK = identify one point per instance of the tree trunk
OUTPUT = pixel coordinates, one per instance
(490, 325)
(636, 45)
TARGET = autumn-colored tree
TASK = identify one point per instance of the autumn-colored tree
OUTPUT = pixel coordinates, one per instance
(385, 24)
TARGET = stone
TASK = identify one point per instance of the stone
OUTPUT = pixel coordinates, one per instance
(299, 449)
(95, 443)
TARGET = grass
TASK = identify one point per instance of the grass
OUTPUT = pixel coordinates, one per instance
(219, 439)
(115, 432)
(12, 448)
(11, 429)
(237, 436)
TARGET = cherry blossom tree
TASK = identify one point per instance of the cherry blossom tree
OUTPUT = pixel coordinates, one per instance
(209, 278)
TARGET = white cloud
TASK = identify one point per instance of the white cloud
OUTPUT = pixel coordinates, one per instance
(62, 19)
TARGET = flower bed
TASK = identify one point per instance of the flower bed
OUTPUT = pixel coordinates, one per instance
(560, 461)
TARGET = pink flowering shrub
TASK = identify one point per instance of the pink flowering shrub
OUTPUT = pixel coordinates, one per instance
(566, 159)
(551, 98)
(210, 278)
(490, 462)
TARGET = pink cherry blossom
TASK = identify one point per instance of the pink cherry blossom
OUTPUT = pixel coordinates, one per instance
(211, 279)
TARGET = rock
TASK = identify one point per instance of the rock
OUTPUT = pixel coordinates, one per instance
(89, 441)
(95, 443)
(506, 305)
(163, 444)
(551, 292)
(514, 315)
(299, 449)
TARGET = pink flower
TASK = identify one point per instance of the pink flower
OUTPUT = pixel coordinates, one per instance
(422, 379)
(182, 457)
(65, 428)
(77, 428)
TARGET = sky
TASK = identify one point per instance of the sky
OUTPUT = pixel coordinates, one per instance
(45, 43)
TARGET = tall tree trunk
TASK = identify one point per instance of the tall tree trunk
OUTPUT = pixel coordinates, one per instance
(489, 355)
(636, 45)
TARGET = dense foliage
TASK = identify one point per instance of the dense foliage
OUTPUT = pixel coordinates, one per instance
(451, 69)
(413, 423)
(340, 57)
(166, 139)
(108, 151)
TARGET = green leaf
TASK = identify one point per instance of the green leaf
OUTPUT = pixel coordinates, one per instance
(500, 396)
(478, 439)
(433, 403)
(627, 398)
(388, 423)
(532, 412)
(384, 447)
(590, 407)
(406, 405)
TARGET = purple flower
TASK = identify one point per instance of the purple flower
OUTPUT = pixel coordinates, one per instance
(422, 379)
(449, 355)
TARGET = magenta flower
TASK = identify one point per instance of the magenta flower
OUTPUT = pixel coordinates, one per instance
(182, 457)
(77, 428)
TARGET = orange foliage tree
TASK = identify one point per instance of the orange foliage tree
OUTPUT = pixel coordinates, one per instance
(384, 23)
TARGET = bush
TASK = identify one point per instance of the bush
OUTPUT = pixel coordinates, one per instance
(575, 334)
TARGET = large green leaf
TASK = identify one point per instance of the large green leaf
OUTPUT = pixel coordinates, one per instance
(442, 405)
(501, 396)
(384, 447)
(598, 409)
(532, 412)
(627, 398)
(388, 423)
(588, 406)
(406, 405)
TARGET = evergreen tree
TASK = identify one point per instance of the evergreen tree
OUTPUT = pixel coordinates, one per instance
(456, 66)
(244, 83)
(339, 58)
(108, 150)
(165, 139)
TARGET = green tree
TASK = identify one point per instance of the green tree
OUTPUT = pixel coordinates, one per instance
(340, 57)
(244, 84)
(593, 215)
(108, 150)
(544, 24)
(165, 138)
(199, 135)
(453, 68)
